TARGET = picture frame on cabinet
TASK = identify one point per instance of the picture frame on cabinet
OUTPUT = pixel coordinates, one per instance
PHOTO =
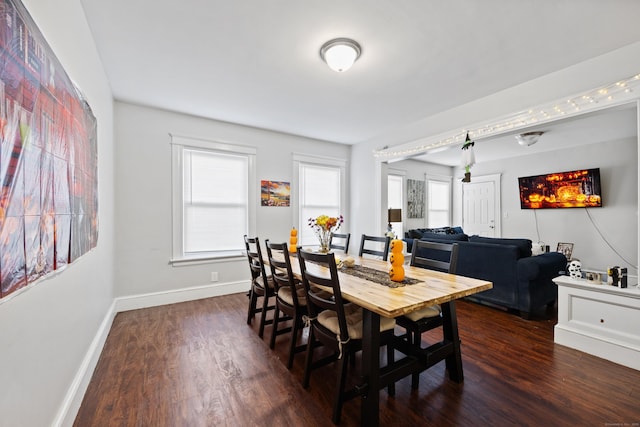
(566, 249)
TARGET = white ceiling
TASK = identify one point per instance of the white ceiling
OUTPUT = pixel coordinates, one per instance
(257, 62)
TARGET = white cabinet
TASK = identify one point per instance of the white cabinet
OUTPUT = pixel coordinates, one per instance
(602, 320)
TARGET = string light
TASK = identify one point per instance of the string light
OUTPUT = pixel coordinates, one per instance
(617, 92)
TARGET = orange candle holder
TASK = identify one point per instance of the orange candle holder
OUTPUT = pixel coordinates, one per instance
(293, 240)
(396, 258)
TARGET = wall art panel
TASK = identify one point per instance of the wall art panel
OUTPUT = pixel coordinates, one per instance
(48, 158)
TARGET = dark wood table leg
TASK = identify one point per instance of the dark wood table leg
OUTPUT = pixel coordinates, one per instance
(370, 404)
(450, 331)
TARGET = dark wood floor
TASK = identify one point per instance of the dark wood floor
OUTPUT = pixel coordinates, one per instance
(199, 364)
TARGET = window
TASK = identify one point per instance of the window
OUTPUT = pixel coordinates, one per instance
(321, 191)
(439, 203)
(395, 200)
(213, 198)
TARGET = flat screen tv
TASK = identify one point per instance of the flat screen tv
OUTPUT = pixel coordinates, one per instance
(573, 189)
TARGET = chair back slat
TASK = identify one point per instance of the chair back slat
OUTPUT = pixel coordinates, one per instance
(384, 254)
(280, 264)
(318, 299)
(435, 256)
(342, 244)
(254, 255)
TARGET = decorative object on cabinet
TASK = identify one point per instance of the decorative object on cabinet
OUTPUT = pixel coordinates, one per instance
(565, 249)
(617, 276)
(575, 269)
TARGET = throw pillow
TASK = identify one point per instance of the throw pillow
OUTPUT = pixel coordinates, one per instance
(414, 234)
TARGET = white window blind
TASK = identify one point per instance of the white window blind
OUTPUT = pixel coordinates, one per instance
(439, 203)
(215, 201)
(213, 198)
(319, 194)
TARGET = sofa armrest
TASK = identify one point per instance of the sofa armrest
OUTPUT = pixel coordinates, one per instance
(547, 265)
(409, 242)
(535, 285)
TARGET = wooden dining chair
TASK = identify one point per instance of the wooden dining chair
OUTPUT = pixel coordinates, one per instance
(384, 254)
(342, 243)
(290, 298)
(335, 325)
(261, 284)
(433, 256)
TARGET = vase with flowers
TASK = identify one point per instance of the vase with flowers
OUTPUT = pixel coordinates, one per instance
(323, 226)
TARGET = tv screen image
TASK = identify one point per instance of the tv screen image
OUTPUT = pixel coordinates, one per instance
(573, 189)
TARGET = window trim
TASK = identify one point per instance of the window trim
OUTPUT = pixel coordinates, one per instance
(401, 177)
(441, 179)
(295, 185)
(178, 144)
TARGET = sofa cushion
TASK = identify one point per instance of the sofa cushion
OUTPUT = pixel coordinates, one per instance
(435, 254)
(447, 237)
(414, 234)
(523, 245)
(437, 230)
(440, 233)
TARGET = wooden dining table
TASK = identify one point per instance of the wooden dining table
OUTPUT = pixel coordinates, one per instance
(429, 288)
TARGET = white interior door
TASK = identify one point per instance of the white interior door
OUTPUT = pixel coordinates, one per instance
(481, 206)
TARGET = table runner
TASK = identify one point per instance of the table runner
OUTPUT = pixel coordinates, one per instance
(377, 276)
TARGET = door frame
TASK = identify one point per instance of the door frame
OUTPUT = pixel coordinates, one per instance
(496, 180)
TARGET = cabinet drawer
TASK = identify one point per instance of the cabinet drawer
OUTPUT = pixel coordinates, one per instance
(609, 317)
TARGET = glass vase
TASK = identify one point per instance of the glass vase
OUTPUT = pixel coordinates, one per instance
(324, 236)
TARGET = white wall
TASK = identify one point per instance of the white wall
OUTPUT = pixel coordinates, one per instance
(368, 216)
(47, 329)
(608, 68)
(596, 72)
(417, 170)
(143, 191)
(617, 220)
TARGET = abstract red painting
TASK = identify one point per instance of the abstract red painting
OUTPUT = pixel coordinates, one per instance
(48, 158)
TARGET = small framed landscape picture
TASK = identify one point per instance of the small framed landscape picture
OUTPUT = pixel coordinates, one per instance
(566, 249)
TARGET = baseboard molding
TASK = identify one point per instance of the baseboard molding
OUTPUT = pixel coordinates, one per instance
(73, 399)
(604, 348)
(173, 296)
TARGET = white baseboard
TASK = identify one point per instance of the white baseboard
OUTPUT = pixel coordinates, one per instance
(73, 399)
(69, 409)
(173, 296)
(602, 347)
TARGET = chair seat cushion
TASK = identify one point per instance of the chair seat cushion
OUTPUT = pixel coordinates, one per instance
(431, 311)
(285, 295)
(260, 282)
(329, 319)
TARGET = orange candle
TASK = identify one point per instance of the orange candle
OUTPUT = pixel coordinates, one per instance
(293, 240)
(396, 272)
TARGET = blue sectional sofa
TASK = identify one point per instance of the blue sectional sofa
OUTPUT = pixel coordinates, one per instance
(447, 233)
(521, 282)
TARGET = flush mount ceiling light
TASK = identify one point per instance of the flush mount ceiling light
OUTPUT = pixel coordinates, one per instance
(340, 54)
(528, 138)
